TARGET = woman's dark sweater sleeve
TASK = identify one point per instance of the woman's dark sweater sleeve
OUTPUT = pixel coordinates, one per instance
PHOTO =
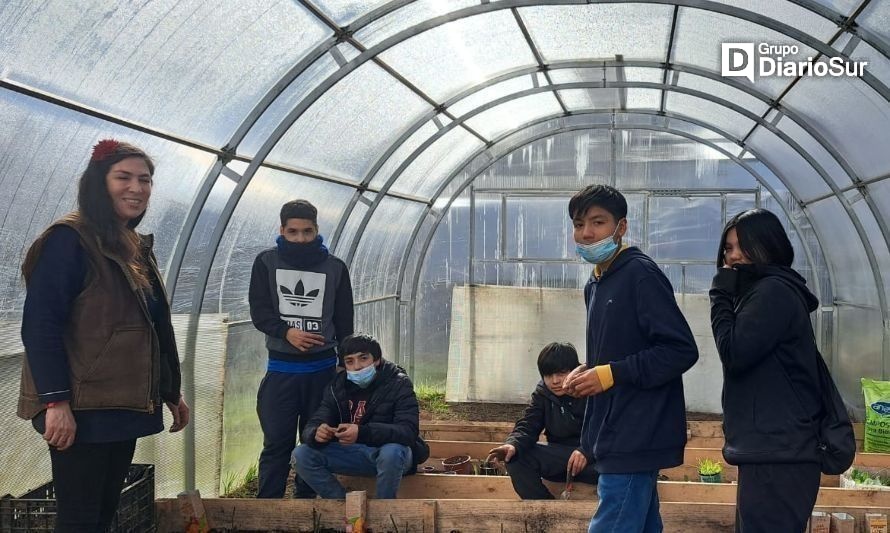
(57, 279)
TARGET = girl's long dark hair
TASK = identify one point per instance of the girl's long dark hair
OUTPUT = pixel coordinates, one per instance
(97, 212)
(761, 237)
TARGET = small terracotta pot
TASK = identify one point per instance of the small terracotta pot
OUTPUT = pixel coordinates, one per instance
(459, 464)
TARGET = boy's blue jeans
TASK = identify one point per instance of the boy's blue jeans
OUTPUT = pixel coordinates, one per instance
(628, 503)
(317, 466)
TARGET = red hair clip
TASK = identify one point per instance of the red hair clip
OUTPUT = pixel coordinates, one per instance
(104, 148)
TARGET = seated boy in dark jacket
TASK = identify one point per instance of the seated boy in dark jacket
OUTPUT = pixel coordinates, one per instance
(368, 425)
(559, 416)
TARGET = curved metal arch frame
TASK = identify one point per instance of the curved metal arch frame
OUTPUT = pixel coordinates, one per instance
(456, 193)
(206, 262)
(878, 278)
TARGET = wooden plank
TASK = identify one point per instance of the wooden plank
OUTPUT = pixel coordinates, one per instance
(429, 516)
(481, 516)
(872, 460)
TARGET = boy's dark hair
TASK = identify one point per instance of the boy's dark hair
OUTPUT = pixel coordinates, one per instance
(761, 237)
(299, 209)
(360, 343)
(557, 357)
(598, 196)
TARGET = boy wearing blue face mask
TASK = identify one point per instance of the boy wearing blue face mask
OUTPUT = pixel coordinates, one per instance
(638, 346)
(301, 298)
(368, 425)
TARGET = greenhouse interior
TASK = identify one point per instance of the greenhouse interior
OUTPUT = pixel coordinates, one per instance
(441, 141)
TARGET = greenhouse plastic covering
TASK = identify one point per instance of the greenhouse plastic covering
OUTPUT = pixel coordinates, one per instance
(441, 142)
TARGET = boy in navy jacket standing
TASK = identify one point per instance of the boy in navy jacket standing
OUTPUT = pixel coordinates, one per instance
(638, 346)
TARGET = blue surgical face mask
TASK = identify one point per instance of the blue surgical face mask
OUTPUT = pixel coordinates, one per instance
(362, 377)
(599, 251)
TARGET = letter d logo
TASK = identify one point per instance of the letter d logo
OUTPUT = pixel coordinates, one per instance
(737, 59)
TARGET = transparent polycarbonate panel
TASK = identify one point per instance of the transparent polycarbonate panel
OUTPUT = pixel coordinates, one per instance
(844, 251)
(880, 192)
(878, 64)
(800, 176)
(876, 19)
(343, 12)
(684, 228)
(655, 160)
(695, 127)
(458, 55)
(286, 101)
(600, 31)
(643, 99)
(636, 216)
(538, 228)
(843, 7)
(414, 13)
(859, 351)
(850, 116)
(374, 269)
(737, 203)
(582, 99)
(254, 227)
(487, 227)
(711, 113)
(566, 162)
(700, 34)
(426, 173)
(817, 151)
(417, 255)
(380, 320)
(189, 280)
(513, 114)
(188, 68)
(876, 239)
(789, 14)
(353, 223)
(351, 124)
(40, 168)
(401, 153)
(723, 91)
(488, 94)
(598, 74)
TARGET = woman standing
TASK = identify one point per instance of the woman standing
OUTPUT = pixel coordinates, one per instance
(100, 352)
(771, 394)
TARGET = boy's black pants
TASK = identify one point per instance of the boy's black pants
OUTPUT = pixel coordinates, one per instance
(87, 479)
(285, 403)
(546, 461)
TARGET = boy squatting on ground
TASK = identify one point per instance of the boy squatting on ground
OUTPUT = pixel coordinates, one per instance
(559, 417)
(368, 425)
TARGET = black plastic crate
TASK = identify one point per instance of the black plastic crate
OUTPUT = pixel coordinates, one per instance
(36, 510)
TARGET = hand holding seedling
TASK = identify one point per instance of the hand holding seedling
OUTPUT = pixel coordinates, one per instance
(347, 433)
(570, 377)
(577, 462)
(324, 433)
(504, 453)
(302, 340)
(583, 383)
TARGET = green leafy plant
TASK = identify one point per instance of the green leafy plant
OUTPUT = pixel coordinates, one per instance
(707, 467)
(431, 397)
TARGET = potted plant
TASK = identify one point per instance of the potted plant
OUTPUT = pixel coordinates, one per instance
(709, 471)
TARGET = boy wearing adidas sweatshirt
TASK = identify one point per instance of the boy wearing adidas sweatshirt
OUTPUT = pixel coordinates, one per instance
(301, 298)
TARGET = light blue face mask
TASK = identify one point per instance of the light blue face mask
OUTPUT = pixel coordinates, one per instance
(599, 251)
(362, 377)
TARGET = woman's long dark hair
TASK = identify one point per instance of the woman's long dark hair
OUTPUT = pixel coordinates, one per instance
(761, 237)
(97, 212)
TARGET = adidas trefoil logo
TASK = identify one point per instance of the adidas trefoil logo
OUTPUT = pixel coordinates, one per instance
(298, 297)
